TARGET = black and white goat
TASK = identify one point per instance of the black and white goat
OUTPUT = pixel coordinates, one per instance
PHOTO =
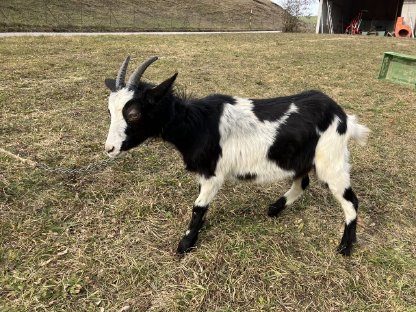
(222, 137)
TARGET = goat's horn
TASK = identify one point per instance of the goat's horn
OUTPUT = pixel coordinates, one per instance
(122, 74)
(137, 74)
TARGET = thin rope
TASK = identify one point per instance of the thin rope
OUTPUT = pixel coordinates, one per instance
(61, 170)
(17, 157)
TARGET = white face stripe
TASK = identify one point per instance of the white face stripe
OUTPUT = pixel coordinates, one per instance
(116, 133)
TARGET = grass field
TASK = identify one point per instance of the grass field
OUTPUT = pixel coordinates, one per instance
(106, 241)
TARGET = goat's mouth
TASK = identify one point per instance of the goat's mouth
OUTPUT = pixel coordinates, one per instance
(115, 154)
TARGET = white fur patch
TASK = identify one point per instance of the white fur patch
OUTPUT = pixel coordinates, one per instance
(245, 142)
(209, 188)
(357, 131)
(294, 192)
(116, 133)
(331, 158)
(349, 212)
(332, 165)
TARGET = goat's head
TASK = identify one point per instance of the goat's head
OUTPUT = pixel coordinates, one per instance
(138, 110)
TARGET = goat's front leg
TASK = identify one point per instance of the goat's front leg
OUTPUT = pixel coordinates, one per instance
(207, 191)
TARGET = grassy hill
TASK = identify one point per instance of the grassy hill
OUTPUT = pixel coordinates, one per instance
(136, 15)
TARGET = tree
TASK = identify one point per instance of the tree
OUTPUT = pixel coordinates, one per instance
(293, 10)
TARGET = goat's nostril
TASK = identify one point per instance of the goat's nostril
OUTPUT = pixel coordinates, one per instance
(109, 150)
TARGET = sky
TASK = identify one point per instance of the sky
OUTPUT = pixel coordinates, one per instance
(313, 9)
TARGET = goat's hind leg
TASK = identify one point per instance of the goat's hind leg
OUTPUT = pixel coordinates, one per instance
(208, 190)
(296, 190)
(339, 184)
(349, 204)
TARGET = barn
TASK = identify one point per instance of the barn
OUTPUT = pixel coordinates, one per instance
(372, 16)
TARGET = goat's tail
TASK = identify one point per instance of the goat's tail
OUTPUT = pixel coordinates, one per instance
(357, 131)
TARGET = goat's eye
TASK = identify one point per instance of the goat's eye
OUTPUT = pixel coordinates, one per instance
(133, 116)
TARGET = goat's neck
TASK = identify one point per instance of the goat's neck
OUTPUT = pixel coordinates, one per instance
(185, 126)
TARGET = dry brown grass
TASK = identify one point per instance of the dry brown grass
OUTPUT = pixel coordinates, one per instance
(104, 241)
(138, 15)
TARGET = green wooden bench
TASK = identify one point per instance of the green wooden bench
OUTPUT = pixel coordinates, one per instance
(400, 68)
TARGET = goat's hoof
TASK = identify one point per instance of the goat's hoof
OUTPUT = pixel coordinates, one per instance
(186, 245)
(345, 250)
(276, 208)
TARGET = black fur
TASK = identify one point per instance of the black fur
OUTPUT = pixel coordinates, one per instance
(277, 207)
(188, 241)
(305, 182)
(247, 176)
(319, 107)
(295, 143)
(350, 196)
(342, 126)
(191, 125)
(154, 116)
(194, 130)
(111, 84)
(271, 109)
(349, 237)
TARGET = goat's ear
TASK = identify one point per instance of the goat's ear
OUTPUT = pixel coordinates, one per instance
(157, 93)
(111, 84)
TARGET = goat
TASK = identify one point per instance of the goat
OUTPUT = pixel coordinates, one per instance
(222, 137)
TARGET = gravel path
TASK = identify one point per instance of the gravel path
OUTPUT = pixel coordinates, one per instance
(65, 34)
